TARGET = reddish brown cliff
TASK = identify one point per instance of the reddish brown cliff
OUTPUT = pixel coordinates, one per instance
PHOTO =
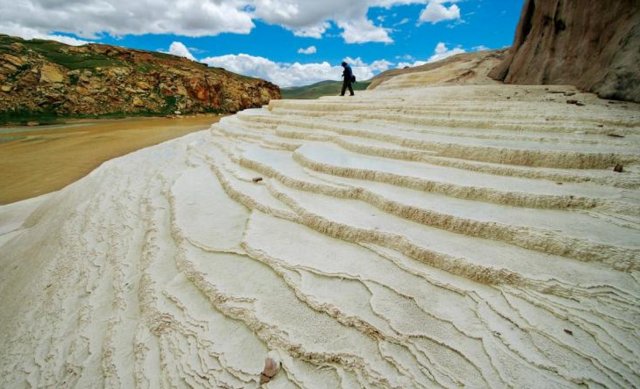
(594, 45)
(40, 77)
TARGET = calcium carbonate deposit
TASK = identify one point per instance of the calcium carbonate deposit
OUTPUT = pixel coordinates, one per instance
(407, 237)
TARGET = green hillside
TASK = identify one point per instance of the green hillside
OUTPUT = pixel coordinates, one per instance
(322, 88)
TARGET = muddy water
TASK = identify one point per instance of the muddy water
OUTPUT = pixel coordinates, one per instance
(39, 160)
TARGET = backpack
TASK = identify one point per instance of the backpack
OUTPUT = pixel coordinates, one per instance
(353, 78)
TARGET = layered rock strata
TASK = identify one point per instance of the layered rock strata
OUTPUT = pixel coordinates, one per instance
(436, 237)
(593, 45)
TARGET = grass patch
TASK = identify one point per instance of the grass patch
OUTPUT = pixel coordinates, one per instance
(22, 116)
(145, 68)
(75, 61)
(163, 55)
(55, 52)
(170, 104)
(73, 79)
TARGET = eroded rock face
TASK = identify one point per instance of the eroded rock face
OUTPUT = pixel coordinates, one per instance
(50, 74)
(41, 76)
(593, 45)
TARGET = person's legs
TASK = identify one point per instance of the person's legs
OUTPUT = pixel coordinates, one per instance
(344, 88)
(350, 89)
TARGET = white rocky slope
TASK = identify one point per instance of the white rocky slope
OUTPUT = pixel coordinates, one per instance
(420, 237)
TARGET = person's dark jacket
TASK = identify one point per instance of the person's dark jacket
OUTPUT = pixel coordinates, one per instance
(347, 74)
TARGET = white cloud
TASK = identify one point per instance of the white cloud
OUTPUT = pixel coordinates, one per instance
(30, 33)
(362, 31)
(281, 74)
(315, 31)
(436, 11)
(363, 70)
(402, 65)
(179, 49)
(90, 19)
(441, 52)
(67, 40)
(391, 3)
(311, 18)
(380, 65)
(308, 50)
(481, 48)
(295, 74)
(354, 62)
(406, 57)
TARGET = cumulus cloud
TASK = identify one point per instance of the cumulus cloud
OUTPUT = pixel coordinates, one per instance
(380, 65)
(311, 18)
(296, 74)
(402, 65)
(437, 11)
(362, 31)
(179, 49)
(281, 74)
(441, 52)
(89, 19)
(308, 50)
(30, 33)
(67, 40)
(315, 31)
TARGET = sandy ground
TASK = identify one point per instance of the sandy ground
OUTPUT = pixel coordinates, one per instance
(38, 160)
(459, 236)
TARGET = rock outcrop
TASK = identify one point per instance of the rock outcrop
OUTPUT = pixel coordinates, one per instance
(445, 237)
(466, 68)
(39, 77)
(594, 45)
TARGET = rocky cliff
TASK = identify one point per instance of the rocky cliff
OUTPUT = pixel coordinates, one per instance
(593, 45)
(45, 77)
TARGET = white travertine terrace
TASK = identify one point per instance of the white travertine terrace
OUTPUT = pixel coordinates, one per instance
(408, 237)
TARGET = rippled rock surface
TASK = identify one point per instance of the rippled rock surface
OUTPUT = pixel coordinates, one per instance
(434, 237)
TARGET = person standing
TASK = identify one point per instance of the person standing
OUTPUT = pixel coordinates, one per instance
(347, 76)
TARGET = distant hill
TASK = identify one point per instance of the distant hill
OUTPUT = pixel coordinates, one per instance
(322, 88)
(41, 80)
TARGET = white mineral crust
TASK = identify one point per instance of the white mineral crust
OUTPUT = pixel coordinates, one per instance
(407, 237)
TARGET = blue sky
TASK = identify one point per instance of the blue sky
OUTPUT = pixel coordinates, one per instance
(289, 42)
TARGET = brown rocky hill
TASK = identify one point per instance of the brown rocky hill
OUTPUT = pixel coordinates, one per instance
(39, 77)
(594, 45)
(466, 68)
